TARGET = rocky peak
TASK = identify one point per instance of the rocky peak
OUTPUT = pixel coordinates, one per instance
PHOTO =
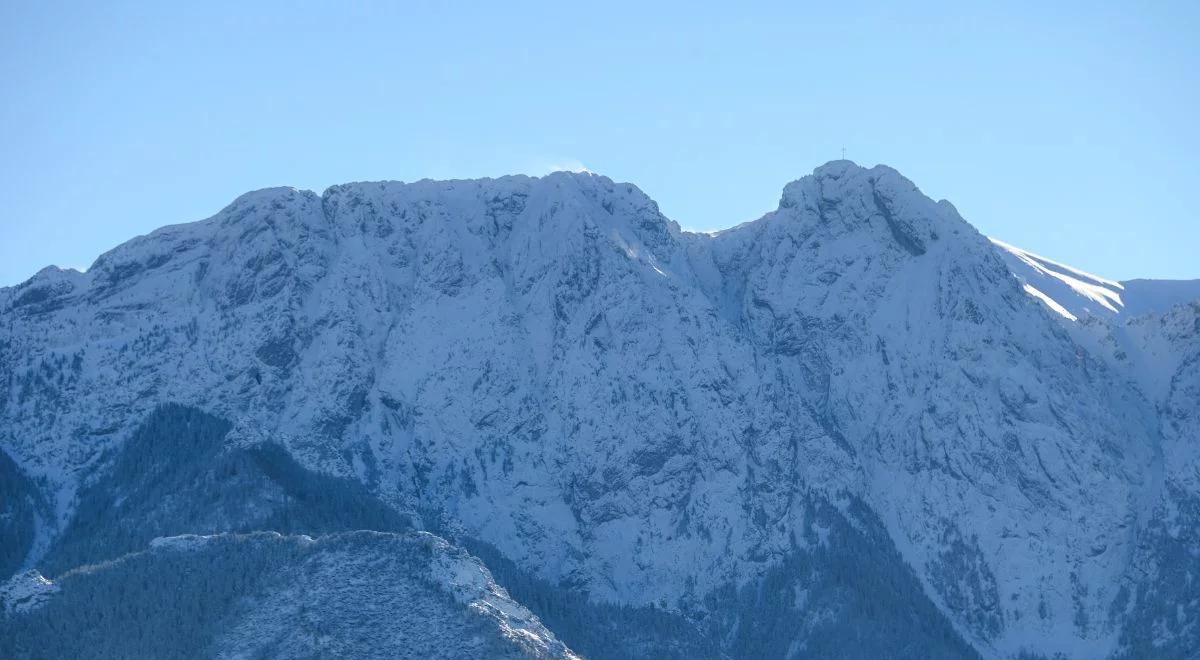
(841, 198)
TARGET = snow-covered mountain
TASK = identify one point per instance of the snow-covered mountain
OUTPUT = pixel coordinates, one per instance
(852, 427)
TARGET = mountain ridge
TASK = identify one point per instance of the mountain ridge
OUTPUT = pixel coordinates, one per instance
(312, 586)
(553, 369)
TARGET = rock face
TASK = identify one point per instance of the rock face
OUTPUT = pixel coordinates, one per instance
(745, 438)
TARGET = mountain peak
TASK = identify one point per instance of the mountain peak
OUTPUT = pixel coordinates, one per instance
(277, 198)
(836, 169)
(843, 198)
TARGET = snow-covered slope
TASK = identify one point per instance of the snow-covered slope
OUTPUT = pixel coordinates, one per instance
(1142, 327)
(1073, 293)
(1149, 331)
(677, 424)
(360, 594)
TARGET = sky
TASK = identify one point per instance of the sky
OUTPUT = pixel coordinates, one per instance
(1069, 130)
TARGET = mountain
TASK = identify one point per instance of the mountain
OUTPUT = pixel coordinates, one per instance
(854, 427)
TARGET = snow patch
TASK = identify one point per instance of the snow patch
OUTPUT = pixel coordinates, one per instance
(1031, 290)
(25, 592)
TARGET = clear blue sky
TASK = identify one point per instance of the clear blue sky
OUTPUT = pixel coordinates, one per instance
(1071, 131)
